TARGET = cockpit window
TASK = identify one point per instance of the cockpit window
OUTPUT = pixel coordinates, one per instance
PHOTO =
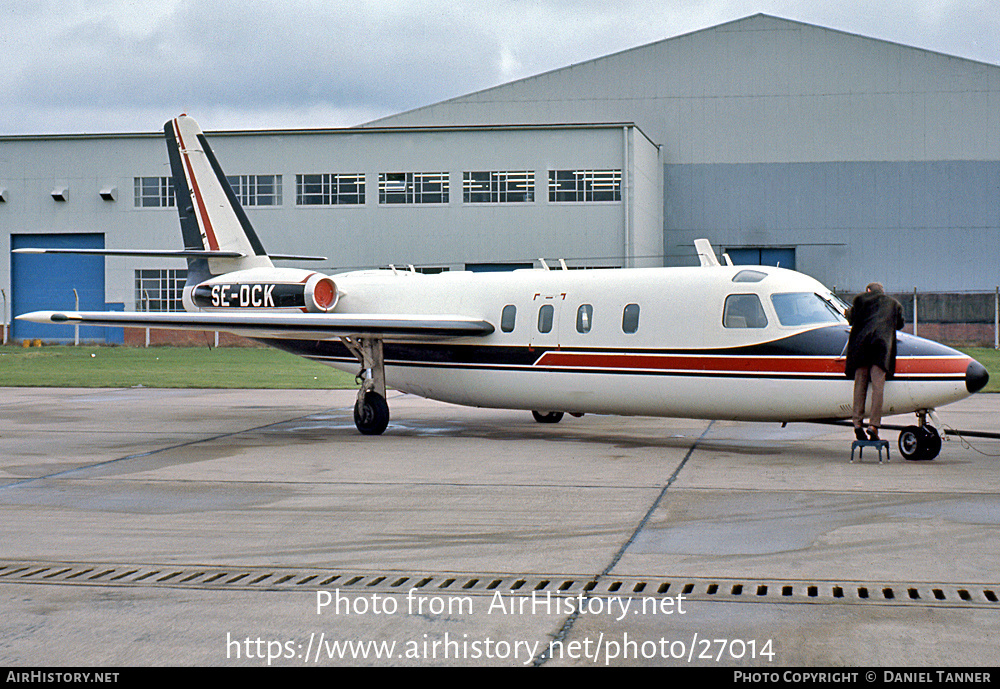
(804, 308)
(743, 311)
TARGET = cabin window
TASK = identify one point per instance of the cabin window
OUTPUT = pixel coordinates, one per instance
(545, 318)
(507, 318)
(804, 308)
(630, 319)
(584, 318)
(743, 311)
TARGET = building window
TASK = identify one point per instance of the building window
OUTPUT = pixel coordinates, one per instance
(585, 185)
(257, 190)
(412, 187)
(630, 319)
(159, 290)
(498, 187)
(154, 192)
(334, 189)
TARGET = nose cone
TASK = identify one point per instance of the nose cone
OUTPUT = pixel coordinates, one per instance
(976, 377)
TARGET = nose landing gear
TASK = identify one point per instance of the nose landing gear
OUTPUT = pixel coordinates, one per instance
(921, 442)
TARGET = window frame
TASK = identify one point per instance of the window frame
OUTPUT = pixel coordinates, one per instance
(585, 186)
(168, 284)
(251, 190)
(498, 186)
(163, 196)
(328, 189)
(414, 188)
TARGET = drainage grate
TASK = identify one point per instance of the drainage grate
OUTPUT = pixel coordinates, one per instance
(695, 589)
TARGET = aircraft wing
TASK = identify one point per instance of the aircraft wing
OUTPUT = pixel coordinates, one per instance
(300, 326)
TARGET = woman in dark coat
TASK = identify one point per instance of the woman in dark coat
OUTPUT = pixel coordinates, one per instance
(871, 352)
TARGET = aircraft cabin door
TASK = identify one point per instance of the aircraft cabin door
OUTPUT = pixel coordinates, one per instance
(547, 309)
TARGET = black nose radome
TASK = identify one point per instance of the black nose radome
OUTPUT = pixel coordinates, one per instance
(976, 377)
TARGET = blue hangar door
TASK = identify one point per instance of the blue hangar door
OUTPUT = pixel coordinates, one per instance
(45, 282)
(764, 256)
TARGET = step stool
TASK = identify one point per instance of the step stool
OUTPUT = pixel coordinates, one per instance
(862, 444)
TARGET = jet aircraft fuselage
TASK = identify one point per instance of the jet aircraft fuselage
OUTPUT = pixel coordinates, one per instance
(715, 342)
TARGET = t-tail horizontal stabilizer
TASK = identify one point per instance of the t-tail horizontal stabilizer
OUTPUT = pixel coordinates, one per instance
(156, 253)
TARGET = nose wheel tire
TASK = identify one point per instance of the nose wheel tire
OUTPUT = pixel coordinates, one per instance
(919, 443)
(371, 414)
(547, 416)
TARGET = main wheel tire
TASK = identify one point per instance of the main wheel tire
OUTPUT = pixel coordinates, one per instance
(919, 443)
(548, 416)
(371, 415)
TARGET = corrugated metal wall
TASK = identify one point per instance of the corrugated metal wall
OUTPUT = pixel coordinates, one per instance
(873, 159)
(929, 225)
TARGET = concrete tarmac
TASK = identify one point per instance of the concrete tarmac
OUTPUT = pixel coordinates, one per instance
(254, 528)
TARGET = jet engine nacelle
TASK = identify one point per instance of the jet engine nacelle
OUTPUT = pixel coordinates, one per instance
(271, 289)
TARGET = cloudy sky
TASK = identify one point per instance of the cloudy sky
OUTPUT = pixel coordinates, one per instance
(77, 66)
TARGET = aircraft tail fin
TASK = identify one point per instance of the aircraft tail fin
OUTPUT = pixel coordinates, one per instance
(212, 219)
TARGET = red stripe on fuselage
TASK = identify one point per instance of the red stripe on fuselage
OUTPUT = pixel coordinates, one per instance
(932, 366)
(699, 363)
(206, 223)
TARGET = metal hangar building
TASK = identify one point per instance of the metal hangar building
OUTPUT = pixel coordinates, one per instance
(845, 157)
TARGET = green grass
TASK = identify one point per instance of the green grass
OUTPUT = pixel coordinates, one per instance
(164, 367)
(200, 367)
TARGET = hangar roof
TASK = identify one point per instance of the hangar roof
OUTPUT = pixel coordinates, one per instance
(761, 89)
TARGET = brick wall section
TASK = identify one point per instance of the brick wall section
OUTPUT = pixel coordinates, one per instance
(136, 337)
(955, 334)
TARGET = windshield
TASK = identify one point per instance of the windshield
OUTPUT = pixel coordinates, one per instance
(804, 308)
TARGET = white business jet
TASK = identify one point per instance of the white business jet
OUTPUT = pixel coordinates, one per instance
(711, 342)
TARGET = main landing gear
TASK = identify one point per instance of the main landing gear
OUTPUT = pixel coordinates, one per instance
(371, 411)
(921, 442)
(552, 416)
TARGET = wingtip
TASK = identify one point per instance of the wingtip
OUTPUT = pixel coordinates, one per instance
(45, 317)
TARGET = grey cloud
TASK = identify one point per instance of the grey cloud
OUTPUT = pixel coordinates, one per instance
(302, 63)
